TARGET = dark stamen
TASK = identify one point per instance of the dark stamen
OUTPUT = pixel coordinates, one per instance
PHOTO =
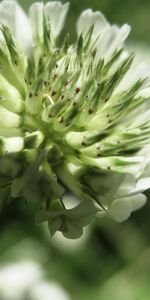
(53, 93)
(90, 111)
(66, 83)
(77, 90)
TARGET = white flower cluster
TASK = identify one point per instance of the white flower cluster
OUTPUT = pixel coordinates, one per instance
(72, 117)
(25, 279)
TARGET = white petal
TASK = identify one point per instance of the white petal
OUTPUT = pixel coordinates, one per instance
(27, 274)
(137, 201)
(142, 185)
(13, 144)
(9, 119)
(141, 119)
(105, 41)
(130, 165)
(145, 93)
(56, 13)
(10, 96)
(89, 18)
(121, 35)
(135, 73)
(7, 132)
(36, 17)
(111, 39)
(14, 17)
(48, 290)
(120, 209)
(146, 169)
(127, 185)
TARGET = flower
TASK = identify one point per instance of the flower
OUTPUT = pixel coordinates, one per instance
(26, 277)
(73, 118)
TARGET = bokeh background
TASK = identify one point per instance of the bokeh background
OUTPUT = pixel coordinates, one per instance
(110, 261)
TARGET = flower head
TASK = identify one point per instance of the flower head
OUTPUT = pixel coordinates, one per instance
(73, 118)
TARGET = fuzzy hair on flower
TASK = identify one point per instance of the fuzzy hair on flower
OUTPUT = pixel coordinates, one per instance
(74, 118)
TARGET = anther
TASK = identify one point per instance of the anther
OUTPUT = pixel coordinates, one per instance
(77, 90)
(66, 83)
(90, 111)
(53, 93)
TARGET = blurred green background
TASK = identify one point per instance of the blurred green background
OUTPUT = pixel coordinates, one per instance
(111, 261)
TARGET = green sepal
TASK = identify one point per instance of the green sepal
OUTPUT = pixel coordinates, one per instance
(33, 140)
(53, 189)
(69, 221)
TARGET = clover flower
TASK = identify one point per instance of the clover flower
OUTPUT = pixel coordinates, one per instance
(73, 118)
(25, 279)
